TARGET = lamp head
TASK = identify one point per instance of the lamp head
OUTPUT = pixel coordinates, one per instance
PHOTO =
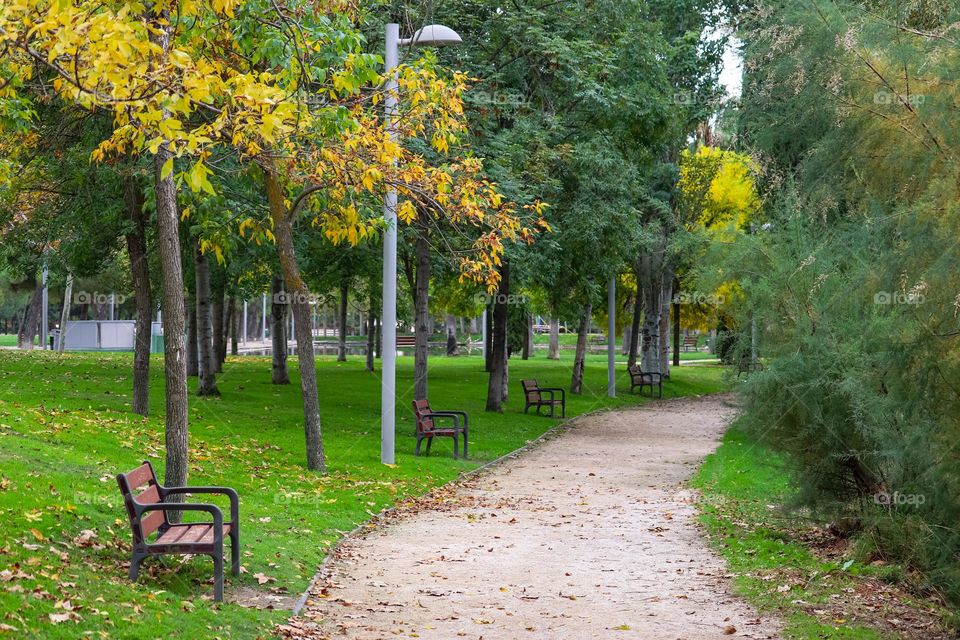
(432, 35)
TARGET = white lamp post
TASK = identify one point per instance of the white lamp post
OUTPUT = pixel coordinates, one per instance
(433, 34)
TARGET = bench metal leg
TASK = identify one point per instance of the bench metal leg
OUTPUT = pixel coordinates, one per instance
(456, 450)
(135, 561)
(419, 442)
(235, 551)
(464, 445)
(429, 444)
(218, 576)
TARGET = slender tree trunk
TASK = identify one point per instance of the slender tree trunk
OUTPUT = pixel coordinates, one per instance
(283, 229)
(65, 313)
(576, 380)
(278, 331)
(136, 238)
(676, 323)
(205, 345)
(342, 338)
(451, 330)
(665, 322)
(371, 338)
(528, 339)
(554, 351)
(498, 350)
(174, 355)
(31, 320)
(233, 322)
(635, 326)
(488, 338)
(421, 317)
(379, 322)
(217, 316)
(193, 352)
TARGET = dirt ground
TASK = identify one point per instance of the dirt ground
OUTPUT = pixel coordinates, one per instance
(588, 535)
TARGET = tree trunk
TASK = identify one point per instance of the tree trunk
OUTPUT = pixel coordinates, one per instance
(651, 279)
(635, 325)
(174, 356)
(554, 351)
(278, 331)
(665, 322)
(421, 317)
(65, 313)
(193, 353)
(371, 338)
(576, 380)
(205, 347)
(217, 314)
(451, 330)
(31, 320)
(342, 338)
(232, 324)
(497, 352)
(528, 339)
(136, 238)
(283, 229)
(379, 322)
(488, 339)
(676, 323)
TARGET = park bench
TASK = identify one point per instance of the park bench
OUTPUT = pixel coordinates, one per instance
(641, 378)
(147, 513)
(427, 429)
(537, 396)
(406, 341)
(597, 339)
(690, 342)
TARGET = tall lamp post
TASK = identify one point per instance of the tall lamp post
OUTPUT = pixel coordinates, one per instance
(433, 34)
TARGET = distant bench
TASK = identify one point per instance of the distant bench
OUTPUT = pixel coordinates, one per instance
(690, 342)
(406, 341)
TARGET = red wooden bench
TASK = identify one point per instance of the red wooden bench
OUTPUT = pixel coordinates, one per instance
(641, 378)
(537, 396)
(428, 430)
(690, 342)
(147, 512)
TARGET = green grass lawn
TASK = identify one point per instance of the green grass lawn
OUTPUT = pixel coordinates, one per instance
(743, 486)
(65, 432)
(8, 340)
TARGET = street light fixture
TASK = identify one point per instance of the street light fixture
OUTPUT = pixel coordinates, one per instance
(430, 35)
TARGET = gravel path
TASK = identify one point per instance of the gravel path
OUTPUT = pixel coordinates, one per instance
(589, 535)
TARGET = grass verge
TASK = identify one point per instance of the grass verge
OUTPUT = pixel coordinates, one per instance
(783, 564)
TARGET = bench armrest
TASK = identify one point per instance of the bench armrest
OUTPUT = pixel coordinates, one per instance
(212, 509)
(554, 390)
(462, 414)
(441, 414)
(227, 491)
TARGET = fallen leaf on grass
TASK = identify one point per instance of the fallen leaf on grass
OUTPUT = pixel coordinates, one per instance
(262, 579)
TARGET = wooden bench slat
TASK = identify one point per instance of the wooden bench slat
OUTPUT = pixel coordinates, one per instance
(139, 477)
(189, 534)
